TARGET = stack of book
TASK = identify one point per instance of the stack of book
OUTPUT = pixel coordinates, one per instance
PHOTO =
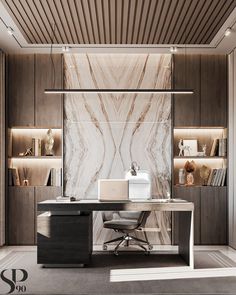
(217, 177)
(36, 147)
(219, 147)
(13, 177)
(54, 177)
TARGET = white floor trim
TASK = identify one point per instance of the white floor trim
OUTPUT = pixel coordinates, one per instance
(169, 273)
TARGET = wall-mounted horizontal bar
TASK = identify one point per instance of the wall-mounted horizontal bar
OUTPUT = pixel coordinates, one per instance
(161, 91)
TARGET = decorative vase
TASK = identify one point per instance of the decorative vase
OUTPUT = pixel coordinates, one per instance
(190, 179)
(181, 176)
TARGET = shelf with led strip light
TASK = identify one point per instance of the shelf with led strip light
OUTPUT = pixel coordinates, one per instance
(37, 167)
(203, 135)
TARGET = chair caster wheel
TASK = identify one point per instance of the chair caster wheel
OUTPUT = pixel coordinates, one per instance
(147, 253)
(116, 253)
(104, 247)
(150, 247)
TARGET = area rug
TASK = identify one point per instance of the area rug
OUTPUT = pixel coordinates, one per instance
(97, 278)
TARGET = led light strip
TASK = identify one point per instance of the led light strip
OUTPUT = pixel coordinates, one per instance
(111, 91)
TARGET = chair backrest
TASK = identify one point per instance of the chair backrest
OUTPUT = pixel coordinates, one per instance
(140, 216)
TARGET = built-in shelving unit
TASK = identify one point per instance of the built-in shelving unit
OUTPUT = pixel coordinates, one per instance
(20, 139)
(30, 113)
(210, 213)
(203, 136)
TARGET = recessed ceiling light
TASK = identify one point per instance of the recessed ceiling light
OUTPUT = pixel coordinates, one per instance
(228, 32)
(173, 49)
(65, 48)
(10, 31)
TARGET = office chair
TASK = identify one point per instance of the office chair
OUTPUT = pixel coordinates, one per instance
(126, 222)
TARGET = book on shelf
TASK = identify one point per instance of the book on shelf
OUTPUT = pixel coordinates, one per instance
(222, 147)
(53, 177)
(214, 147)
(13, 177)
(217, 177)
(36, 147)
(219, 147)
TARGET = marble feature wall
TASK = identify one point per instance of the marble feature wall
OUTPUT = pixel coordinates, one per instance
(104, 133)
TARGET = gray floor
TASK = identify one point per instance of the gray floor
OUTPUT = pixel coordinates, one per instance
(96, 279)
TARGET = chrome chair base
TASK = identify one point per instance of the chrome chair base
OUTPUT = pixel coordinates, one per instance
(126, 240)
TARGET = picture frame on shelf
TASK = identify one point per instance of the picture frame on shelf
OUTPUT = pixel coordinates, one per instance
(190, 147)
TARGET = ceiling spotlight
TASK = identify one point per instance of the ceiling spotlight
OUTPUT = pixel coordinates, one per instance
(10, 31)
(228, 32)
(65, 48)
(173, 49)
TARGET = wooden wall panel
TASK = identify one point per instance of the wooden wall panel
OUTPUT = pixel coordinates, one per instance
(187, 75)
(191, 194)
(21, 90)
(48, 107)
(213, 90)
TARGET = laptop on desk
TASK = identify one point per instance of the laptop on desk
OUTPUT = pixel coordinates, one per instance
(113, 190)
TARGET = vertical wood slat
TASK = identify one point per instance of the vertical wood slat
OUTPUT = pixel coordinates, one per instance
(14, 12)
(197, 20)
(125, 21)
(155, 20)
(100, 19)
(120, 21)
(164, 21)
(65, 20)
(202, 24)
(182, 33)
(143, 20)
(223, 15)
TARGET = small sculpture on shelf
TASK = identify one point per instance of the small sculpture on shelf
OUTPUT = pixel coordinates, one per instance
(28, 152)
(204, 173)
(182, 148)
(190, 167)
(204, 148)
(49, 143)
(25, 181)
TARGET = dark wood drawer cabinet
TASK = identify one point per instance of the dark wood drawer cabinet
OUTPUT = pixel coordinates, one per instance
(22, 208)
(21, 90)
(64, 239)
(214, 215)
(210, 213)
(191, 194)
(21, 216)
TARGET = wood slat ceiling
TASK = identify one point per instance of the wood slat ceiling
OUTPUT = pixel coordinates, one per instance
(120, 21)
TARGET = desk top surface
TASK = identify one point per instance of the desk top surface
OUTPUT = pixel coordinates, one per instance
(96, 205)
